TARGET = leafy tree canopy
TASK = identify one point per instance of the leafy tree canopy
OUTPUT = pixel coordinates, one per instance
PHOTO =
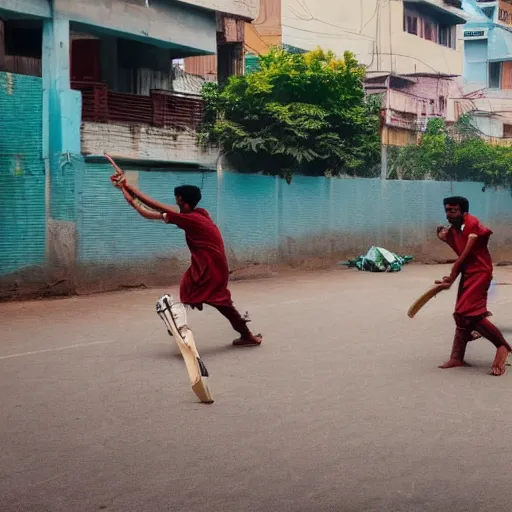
(457, 153)
(298, 113)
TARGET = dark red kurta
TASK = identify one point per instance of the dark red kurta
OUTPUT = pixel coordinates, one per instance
(476, 272)
(206, 280)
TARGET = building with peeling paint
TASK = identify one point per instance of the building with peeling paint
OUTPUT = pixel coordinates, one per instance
(78, 78)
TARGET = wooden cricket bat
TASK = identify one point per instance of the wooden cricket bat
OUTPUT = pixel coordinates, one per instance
(197, 372)
(196, 369)
(423, 299)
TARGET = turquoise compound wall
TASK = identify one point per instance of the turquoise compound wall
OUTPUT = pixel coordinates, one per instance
(22, 177)
(248, 211)
(261, 217)
(109, 230)
(258, 214)
(65, 168)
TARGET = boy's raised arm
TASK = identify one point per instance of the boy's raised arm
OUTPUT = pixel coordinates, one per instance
(148, 214)
(149, 201)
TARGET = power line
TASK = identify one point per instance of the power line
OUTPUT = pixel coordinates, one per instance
(377, 6)
(318, 32)
(414, 58)
(310, 17)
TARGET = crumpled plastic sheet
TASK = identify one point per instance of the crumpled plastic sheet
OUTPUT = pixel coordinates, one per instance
(378, 259)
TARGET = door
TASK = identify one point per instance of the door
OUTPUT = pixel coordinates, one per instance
(86, 60)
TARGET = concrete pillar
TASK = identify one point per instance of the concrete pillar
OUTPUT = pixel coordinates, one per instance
(384, 162)
(62, 106)
(61, 149)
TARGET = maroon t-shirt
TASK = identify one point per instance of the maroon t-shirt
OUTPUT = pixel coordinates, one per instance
(479, 259)
(206, 280)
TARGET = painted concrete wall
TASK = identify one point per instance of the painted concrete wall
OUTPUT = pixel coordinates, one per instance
(246, 9)
(263, 221)
(101, 242)
(476, 62)
(146, 143)
(500, 42)
(478, 53)
(372, 29)
(40, 8)
(162, 24)
(491, 127)
(266, 30)
(22, 177)
(258, 213)
(495, 104)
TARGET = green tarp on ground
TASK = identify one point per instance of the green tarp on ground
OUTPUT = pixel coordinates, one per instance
(378, 259)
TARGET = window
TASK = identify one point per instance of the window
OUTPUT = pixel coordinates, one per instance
(411, 24)
(23, 40)
(429, 31)
(507, 131)
(494, 75)
(489, 12)
(86, 60)
(506, 75)
(447, 36)
(442, 104)
(419, 24)
(505, 16)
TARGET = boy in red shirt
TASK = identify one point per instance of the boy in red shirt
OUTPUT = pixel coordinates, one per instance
(469, 239)
(206, 280)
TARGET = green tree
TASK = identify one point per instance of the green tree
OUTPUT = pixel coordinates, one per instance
(298, 113)
(457, 153)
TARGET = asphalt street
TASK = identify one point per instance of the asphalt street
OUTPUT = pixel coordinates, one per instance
(342, 408)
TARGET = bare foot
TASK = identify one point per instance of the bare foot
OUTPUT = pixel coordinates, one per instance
(454, 363)
(498, 366)
(251, 341)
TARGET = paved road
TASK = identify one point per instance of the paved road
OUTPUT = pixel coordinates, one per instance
(341, 409)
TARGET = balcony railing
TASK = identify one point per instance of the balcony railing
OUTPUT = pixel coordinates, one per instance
(160, 109)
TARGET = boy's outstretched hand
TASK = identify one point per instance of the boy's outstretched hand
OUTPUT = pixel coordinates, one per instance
(118, 180)
(117, 170)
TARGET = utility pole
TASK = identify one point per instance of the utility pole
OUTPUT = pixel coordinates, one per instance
(384, 135)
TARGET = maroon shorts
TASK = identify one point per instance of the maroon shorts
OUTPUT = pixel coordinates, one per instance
(472, 295)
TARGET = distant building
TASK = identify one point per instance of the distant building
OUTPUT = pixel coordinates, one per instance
(250, 40)
(486, 89)
(113, 61)
(408, 102)
(399, 36)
